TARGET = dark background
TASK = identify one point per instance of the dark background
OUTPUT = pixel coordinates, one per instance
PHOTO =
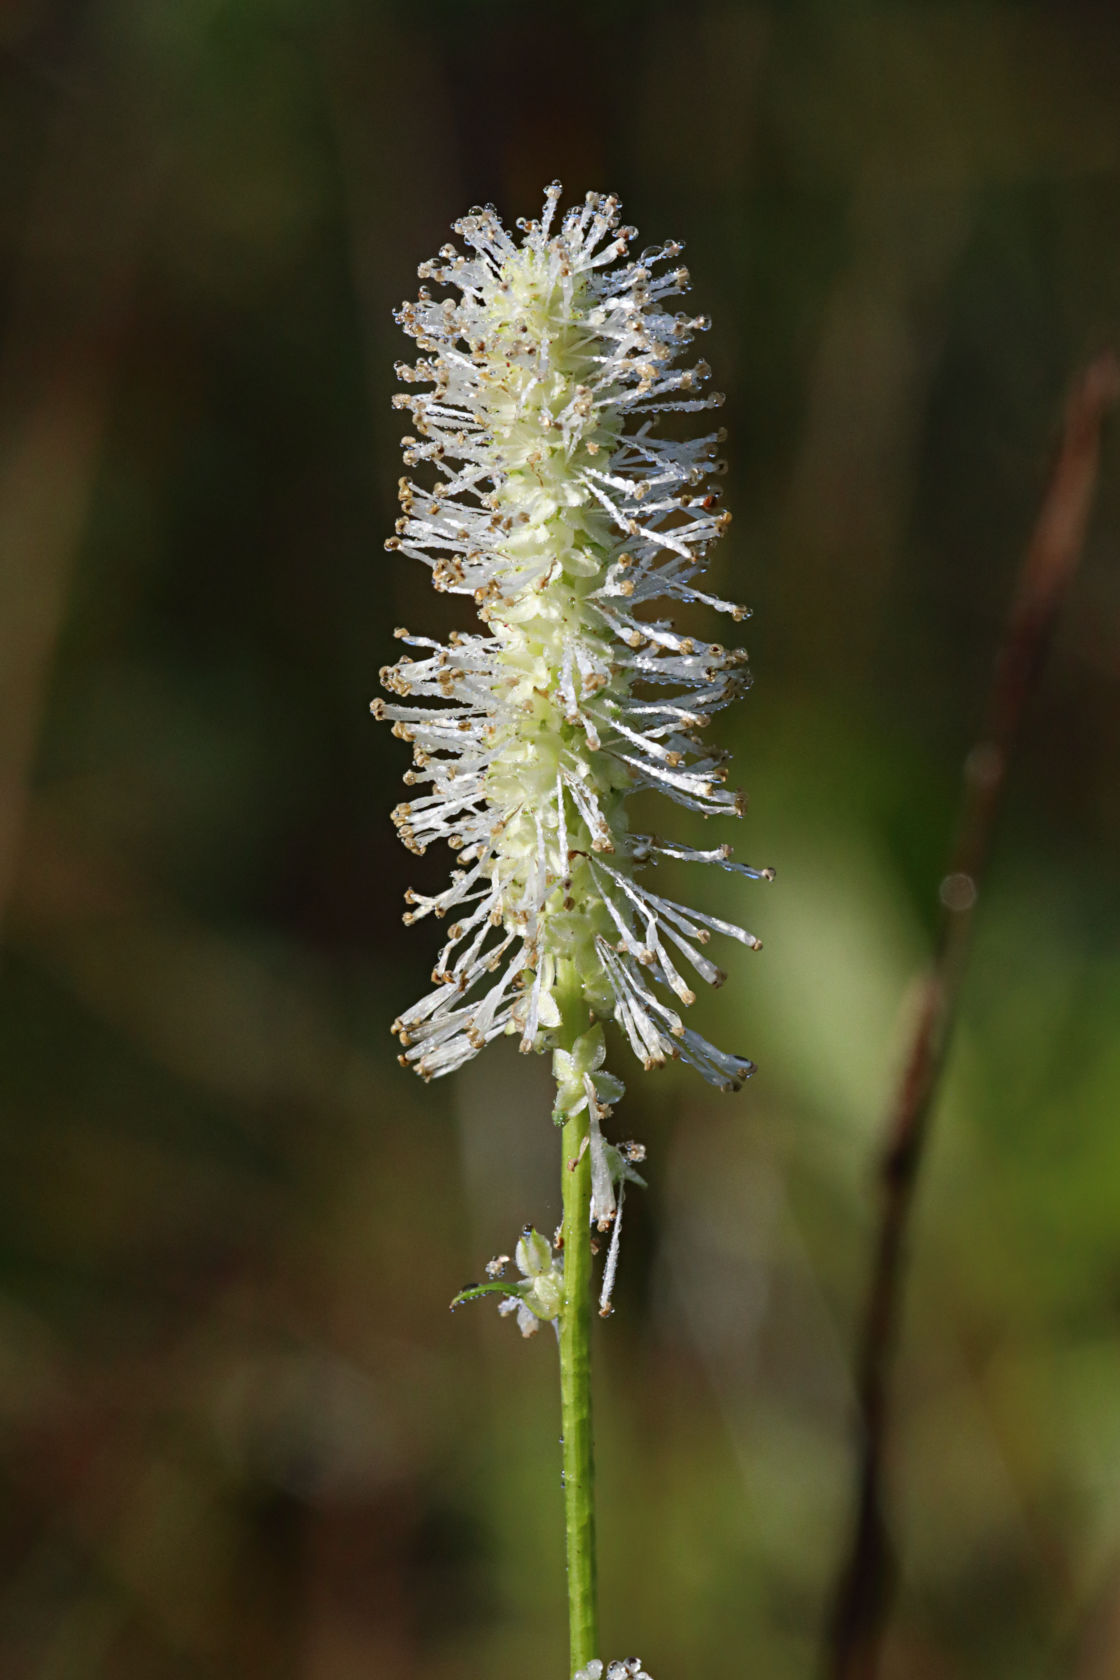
(240, 1436)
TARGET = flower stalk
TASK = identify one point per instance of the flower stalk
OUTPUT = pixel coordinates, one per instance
(578, 1449)
(575, 1399)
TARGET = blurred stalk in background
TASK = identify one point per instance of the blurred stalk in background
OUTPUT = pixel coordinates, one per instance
(870, 1569)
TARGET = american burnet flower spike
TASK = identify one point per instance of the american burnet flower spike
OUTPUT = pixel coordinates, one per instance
(560, 510)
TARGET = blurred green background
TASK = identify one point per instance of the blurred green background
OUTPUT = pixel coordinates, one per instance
(240, 1436)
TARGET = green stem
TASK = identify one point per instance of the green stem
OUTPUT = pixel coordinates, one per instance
(575, 1376)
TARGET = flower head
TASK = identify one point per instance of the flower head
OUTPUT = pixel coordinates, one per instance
(566, 517)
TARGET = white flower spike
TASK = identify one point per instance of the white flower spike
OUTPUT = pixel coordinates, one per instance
(566, 517)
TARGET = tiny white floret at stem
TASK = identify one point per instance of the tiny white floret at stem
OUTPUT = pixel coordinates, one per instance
(624, 1668)
(558, 507)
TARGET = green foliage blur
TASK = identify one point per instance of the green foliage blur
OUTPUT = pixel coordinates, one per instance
(240, 1436)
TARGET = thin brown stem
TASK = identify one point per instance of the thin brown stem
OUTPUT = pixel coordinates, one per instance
(867, 1581)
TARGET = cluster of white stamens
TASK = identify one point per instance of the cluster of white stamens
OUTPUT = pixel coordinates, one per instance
(564, 516)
